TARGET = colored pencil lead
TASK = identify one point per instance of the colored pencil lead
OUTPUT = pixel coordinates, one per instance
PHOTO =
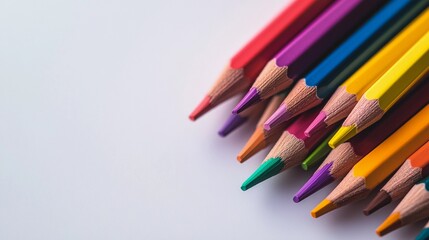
(253, 145)
(278, 117)
(202, 108)
(261, 138)
(412, 170)
(317, 125)
(268, 169)
(324, 207)
(251, 97)
(233, 122)
(318, 154)
(391, 223)
(342, 135)
(320, 179)
(245, 66)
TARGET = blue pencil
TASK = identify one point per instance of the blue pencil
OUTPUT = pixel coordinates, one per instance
(322, 81)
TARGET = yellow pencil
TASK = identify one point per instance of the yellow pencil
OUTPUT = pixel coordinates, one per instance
(348, 94)
(386, 91)
(378, 164)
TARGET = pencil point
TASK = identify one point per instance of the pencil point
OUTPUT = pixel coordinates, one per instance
(317, 125)
(255, 143)
(279, 116)
(269, 168)
(423, 235)
(252, 97)
(233, 122)
(392, 222)
(324, 207)
(342, 135)
(305, 166)
(380, 200)
(201, 109)
(320, 179)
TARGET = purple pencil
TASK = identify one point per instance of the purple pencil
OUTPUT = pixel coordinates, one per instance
(236, 120)
(308, 48)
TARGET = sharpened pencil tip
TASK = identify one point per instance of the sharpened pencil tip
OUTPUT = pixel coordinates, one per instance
(342, 135)
(380, 200)
(255, 143)
(278, 117)
(317, 125)
(320, 179)
(305, 166)
(234, 121)
(269, 168)
(201, 109)
(252, 97)
(324, 207)
(391, 223)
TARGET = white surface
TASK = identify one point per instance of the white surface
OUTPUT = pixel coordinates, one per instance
(86, 151)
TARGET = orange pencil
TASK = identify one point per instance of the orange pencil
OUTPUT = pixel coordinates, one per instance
(246, 65)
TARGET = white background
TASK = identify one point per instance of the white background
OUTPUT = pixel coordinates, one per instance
(94, 137)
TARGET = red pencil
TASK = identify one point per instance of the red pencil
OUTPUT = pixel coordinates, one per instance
(246, 65)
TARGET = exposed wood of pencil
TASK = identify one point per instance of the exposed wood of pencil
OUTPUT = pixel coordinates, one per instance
(346, 155)
(308, 48)
(236, 120)
(292, 105)
(414, 207)
(341, 103)
(343, 158)
(403, 180)
(247, 63)
(262, 138)
(272, 71)
(290, 149)
(346, 96)
(386, 91)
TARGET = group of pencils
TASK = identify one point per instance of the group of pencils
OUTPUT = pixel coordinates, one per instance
(343, 84)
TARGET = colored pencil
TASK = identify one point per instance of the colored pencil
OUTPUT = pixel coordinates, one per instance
(414, 168)
(236, 120)
(346, 155)
(289, 151)
(346, 96)
(322, 81)
(414, 207)
(308, 48)
(318, 154)
(246, 65)
(378, 164)
(424, 234)
(262, 138)
(386, 91)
